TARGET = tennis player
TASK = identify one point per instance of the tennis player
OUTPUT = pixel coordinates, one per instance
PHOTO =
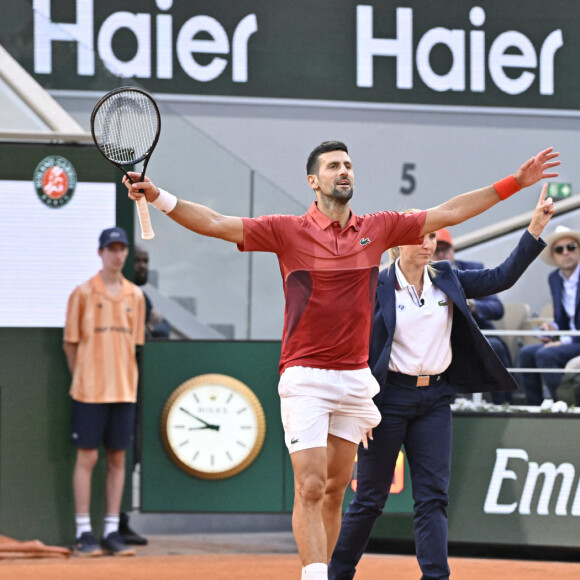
(329, 259)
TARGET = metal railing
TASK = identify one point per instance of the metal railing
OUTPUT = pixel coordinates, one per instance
(477, 398)
(534, 334)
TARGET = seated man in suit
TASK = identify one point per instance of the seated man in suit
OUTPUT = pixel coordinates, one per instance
(562, 251)
(484, 310)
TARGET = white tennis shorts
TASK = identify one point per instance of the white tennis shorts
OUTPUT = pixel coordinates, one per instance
(316, 403)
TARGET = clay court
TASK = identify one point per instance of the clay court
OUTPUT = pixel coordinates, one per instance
(270, 556)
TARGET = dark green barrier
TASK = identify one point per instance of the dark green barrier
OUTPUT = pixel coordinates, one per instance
(267, 485)
(36, 458)
(515, 480)
(166, 487)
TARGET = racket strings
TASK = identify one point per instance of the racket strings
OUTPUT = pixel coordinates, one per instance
(128, 125)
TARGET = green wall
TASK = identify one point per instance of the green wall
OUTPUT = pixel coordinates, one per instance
(516, 480)
(165, 487)
(267, 485)
(36, 458)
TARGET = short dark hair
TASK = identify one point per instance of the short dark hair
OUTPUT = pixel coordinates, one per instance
(325, 147)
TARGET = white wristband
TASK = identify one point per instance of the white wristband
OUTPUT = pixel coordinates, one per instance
(165, 202)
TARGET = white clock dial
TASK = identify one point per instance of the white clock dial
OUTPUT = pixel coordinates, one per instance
(213, 426)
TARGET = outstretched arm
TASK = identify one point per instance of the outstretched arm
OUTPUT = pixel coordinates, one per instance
(465, 206)
(193, 216)
(477, 283)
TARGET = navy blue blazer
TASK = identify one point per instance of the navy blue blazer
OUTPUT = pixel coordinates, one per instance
(474, 367)
(560, 316)
(488, 307)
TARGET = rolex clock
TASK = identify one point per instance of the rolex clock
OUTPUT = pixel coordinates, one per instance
(213, 426)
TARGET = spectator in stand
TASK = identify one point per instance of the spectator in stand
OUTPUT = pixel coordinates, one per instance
(155, 325)
(483, 310)
(553, 352)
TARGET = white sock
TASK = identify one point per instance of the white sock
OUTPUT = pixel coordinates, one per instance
(111, 524)
(315, 572)
(83, 522)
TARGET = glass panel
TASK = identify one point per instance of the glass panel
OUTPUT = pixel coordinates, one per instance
(210, 275)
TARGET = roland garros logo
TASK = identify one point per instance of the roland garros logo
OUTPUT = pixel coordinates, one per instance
(55, 180)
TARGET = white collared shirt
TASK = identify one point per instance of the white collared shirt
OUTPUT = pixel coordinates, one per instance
(569, 289)
(422, 339)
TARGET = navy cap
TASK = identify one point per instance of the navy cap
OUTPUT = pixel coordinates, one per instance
(112, 235)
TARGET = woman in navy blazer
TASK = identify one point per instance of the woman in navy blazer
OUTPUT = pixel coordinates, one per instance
(416, 410)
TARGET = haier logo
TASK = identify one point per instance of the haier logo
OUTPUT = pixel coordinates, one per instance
(214, 41)
(275, 53)
(546, 475)
(511, 50)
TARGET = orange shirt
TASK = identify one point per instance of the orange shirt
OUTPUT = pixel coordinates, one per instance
(106, 330)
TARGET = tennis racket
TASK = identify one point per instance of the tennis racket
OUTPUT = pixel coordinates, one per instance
(125, 125)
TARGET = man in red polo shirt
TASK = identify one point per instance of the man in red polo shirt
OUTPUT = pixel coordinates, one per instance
(329, 260)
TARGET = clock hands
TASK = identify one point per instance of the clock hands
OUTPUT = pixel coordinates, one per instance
(207, 425)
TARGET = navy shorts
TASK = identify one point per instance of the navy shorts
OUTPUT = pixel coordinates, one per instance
(112, 424)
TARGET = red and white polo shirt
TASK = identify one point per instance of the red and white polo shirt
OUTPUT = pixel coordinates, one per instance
(330, 276)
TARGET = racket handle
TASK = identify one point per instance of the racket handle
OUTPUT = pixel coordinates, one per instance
(144, 219)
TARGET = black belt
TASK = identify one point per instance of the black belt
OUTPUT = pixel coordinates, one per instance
(414, 381)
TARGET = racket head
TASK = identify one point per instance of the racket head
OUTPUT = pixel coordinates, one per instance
(125, 126)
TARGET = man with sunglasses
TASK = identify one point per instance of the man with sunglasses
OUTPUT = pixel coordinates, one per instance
(563, 251)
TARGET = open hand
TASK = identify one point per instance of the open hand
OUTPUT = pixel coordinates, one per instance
(534, 169)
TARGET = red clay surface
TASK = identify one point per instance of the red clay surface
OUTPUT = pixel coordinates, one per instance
(258, 557)
(268, 567)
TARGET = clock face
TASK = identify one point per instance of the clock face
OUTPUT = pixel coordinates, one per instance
(213, 426)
